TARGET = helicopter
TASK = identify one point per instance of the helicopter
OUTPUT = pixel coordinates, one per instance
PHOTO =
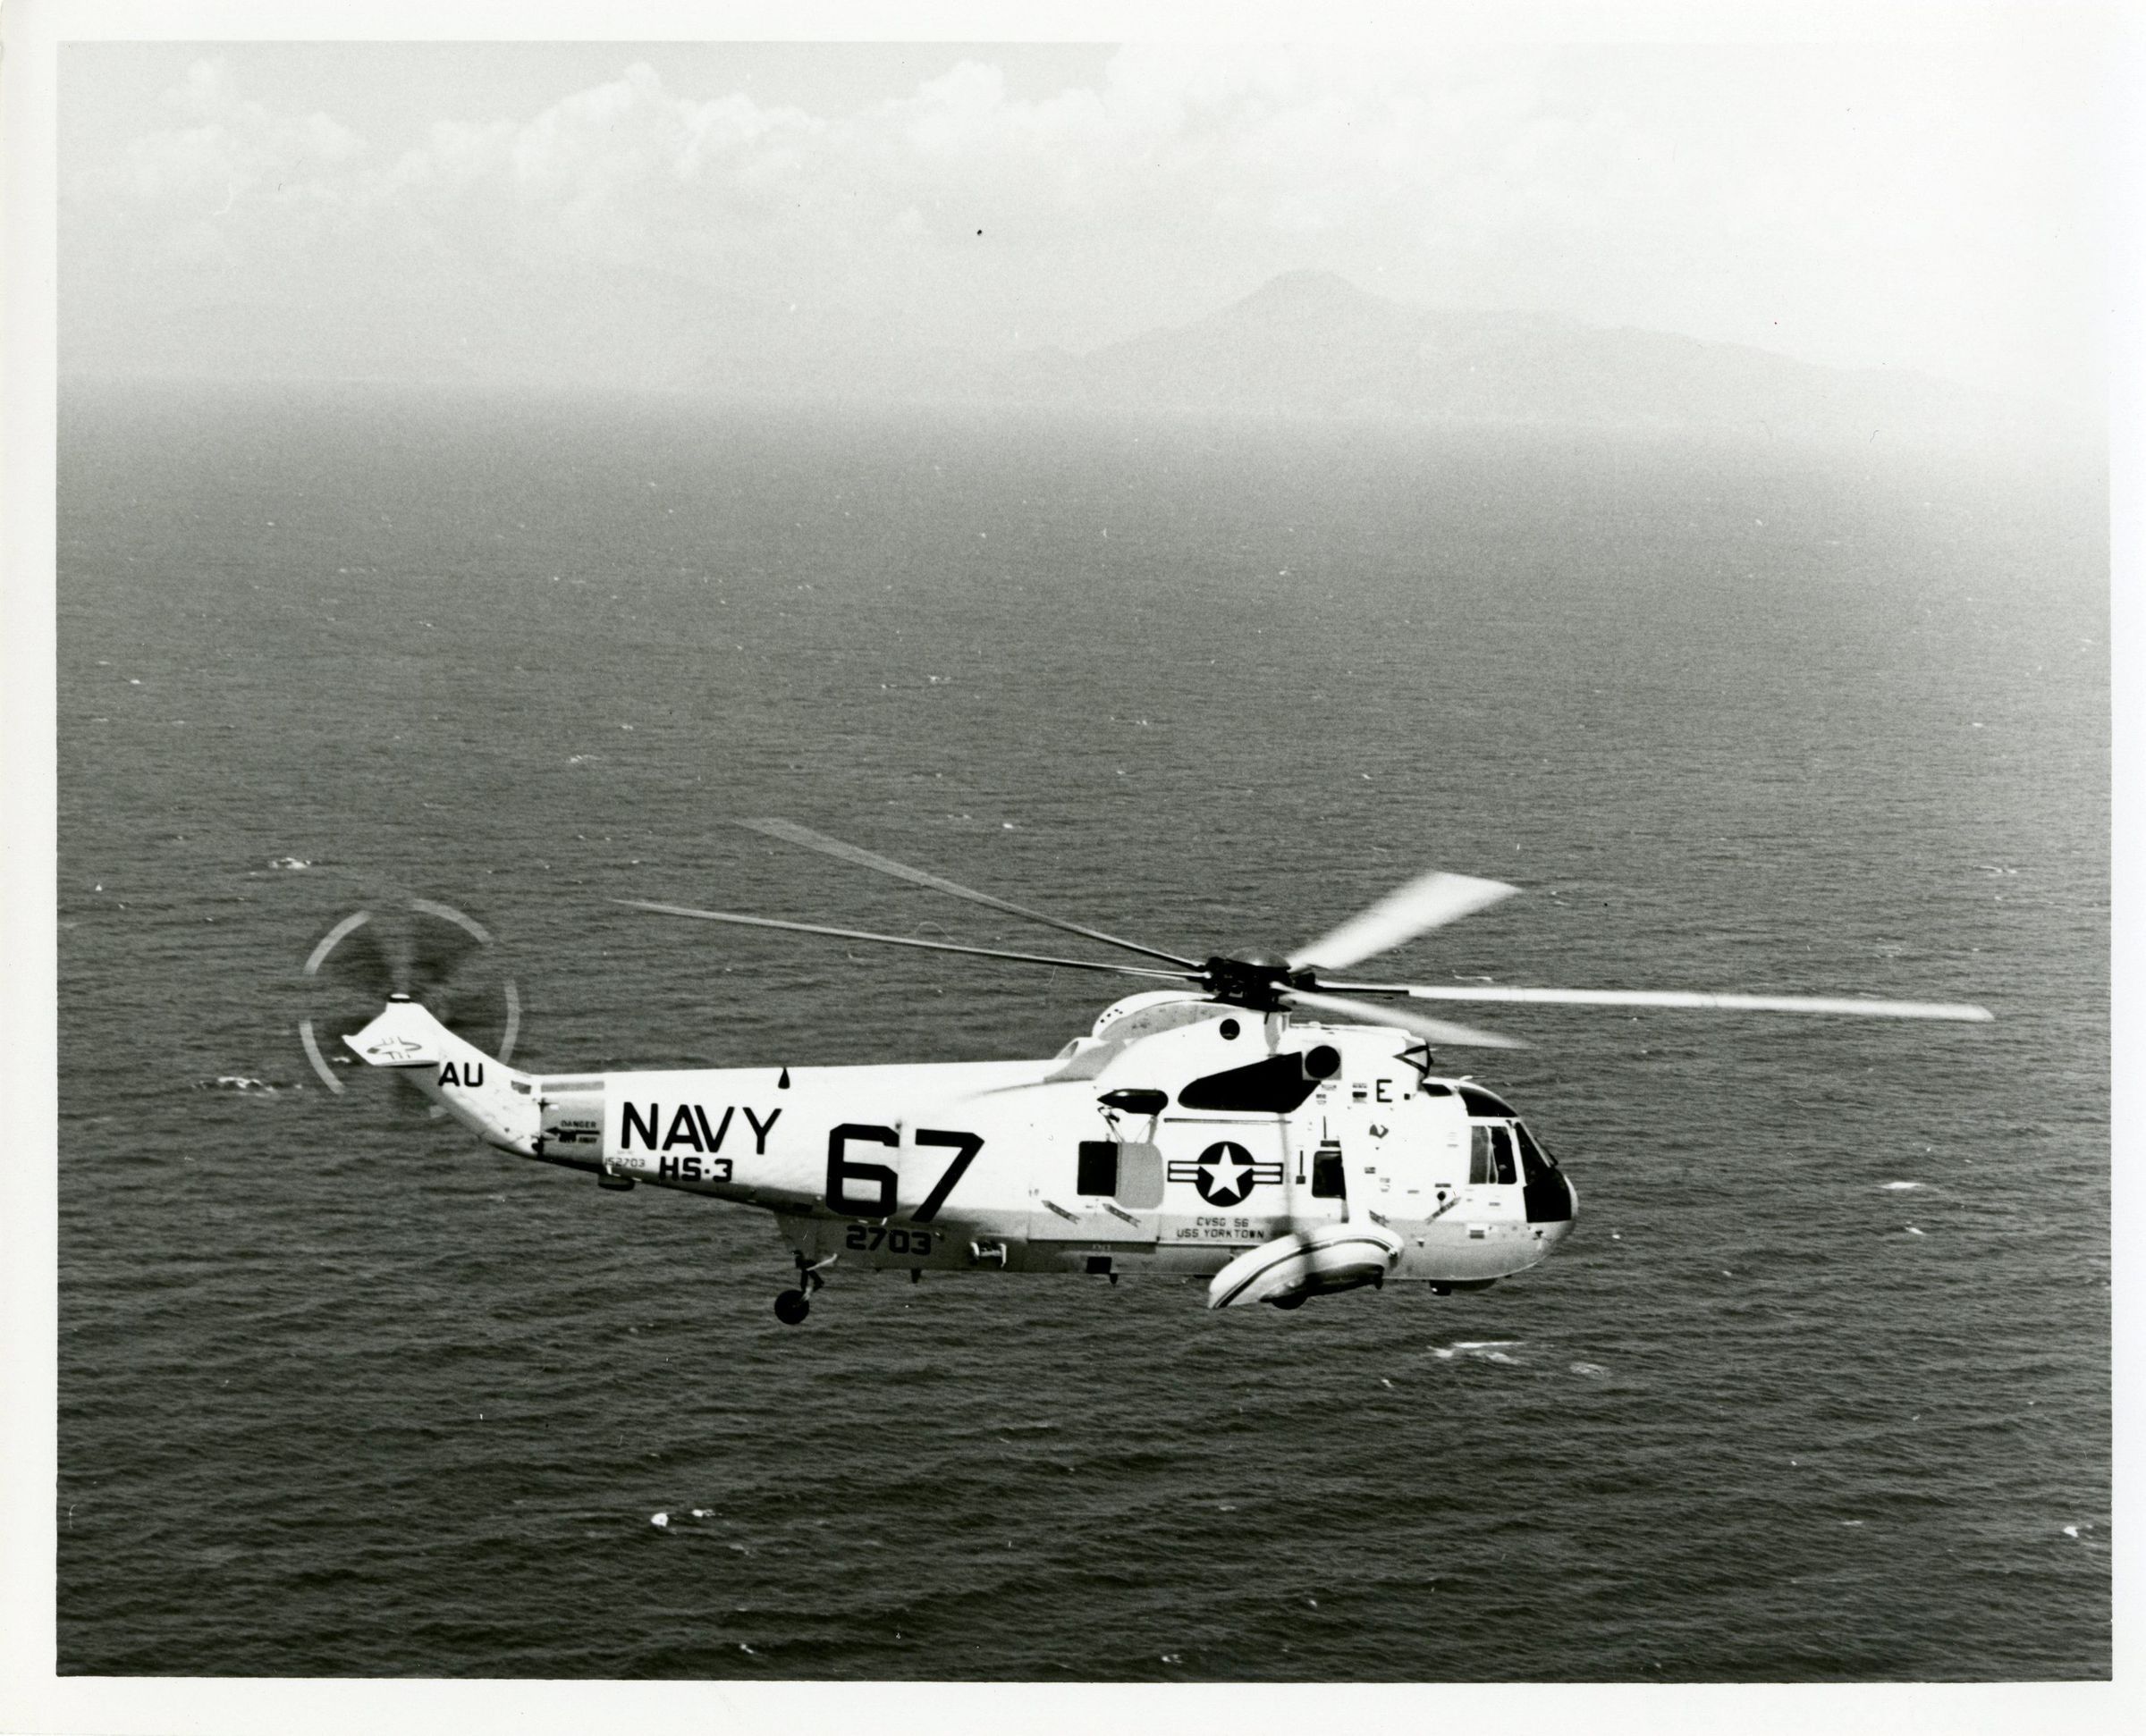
(1257, 1122)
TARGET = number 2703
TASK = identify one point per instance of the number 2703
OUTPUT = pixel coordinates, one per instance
(872, 1237)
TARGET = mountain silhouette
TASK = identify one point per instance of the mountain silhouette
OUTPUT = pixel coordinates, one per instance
(1311, 343)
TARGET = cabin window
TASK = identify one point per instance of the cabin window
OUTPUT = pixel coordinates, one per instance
(1327, 1179)
(1098, 1172)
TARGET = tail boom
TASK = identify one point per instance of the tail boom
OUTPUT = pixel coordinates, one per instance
(485, 1094)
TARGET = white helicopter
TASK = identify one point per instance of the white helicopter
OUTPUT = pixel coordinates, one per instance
(1252, 1122)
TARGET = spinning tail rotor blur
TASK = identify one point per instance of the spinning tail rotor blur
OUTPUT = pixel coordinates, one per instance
(413, 949)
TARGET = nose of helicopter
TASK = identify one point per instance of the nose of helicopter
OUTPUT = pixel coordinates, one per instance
(1557, 1229)
(1552, 1221)
(1551, 1200)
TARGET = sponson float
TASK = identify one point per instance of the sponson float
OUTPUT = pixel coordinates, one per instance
(1253, 1122)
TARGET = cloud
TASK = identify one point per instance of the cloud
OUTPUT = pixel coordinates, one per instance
(1301, 142)
(1833, 201)
(225, 146)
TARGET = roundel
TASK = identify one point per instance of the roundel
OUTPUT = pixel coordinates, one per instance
(1225, 1173)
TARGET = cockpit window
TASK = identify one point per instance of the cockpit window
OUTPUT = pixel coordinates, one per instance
(1482, 1102)
(1531, 1154)
(1490, 1156)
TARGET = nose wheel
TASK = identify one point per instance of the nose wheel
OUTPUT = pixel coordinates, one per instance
(793, 1305)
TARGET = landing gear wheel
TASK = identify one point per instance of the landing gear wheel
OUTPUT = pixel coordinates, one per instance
(790, 1307)
(1289, 1301)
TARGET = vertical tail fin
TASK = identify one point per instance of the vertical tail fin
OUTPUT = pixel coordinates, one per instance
(486, 1095)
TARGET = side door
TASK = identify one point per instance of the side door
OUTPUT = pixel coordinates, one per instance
(1096, 1191)
(1492, 1207)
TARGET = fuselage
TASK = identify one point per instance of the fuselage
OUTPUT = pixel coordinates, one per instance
(1178, 1136)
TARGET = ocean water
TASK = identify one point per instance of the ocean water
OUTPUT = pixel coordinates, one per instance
(1819, 1389)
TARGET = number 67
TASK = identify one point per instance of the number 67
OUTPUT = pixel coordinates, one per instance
(843, 1171)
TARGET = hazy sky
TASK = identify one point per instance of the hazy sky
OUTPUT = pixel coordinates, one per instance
(555, 210)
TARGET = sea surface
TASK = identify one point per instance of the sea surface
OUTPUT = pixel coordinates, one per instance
(1819, 1389)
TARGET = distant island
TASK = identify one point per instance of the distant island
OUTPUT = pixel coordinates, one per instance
(1312, 343)
(1306, 343)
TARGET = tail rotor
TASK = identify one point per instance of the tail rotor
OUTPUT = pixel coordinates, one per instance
(416, 948)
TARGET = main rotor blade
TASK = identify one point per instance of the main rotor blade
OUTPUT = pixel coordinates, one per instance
(1422, 904)
(1369, 1012)
(790, 832)
(897, 940)
(1867, 1008)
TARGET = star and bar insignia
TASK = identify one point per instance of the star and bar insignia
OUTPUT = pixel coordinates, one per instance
(1225, 1172)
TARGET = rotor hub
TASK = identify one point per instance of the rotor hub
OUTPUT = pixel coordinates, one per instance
(1256, 983)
